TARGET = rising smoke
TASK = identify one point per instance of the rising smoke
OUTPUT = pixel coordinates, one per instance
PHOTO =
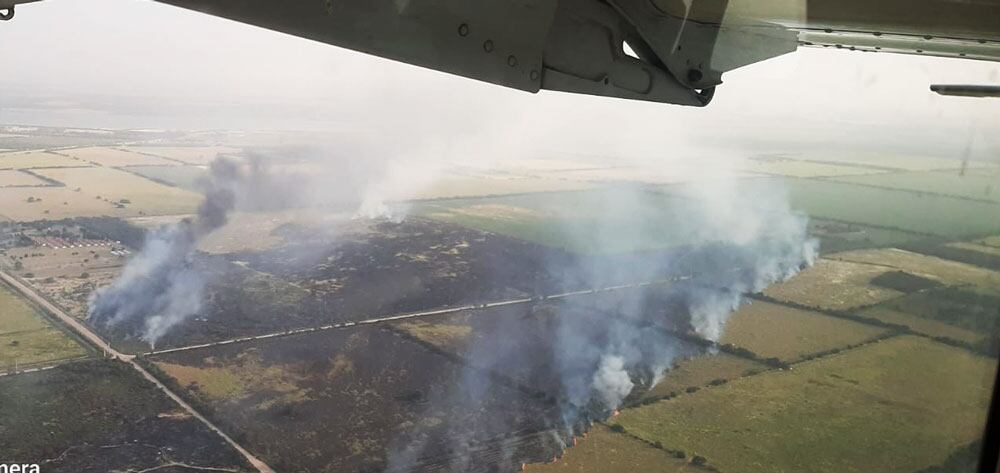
(161, 287)
(738, 238)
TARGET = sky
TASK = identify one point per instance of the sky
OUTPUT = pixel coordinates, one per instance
(140, 64)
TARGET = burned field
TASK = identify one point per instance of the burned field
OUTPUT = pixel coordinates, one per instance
(100, 415)
(362, 399)
(318, 278)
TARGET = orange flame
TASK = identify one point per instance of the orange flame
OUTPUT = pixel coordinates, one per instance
(615, 413)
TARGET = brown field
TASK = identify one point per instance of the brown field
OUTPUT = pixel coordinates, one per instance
(37, 159)
(18, 178)
(775, 331)
(701, 370)
(114, 157)
(899, 405)
(57, 273)
(833, 284)
(56, 203)
(948, 272)
(146, 197)
(189, 154)
(604, 451)
(923, 325)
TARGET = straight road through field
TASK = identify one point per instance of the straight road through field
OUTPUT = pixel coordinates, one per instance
(85, 332)
(426, 313)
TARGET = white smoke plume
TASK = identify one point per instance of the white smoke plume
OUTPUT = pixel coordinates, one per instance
(741, 236)
(161, 287)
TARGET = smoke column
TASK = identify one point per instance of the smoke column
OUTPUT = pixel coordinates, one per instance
(159, 287)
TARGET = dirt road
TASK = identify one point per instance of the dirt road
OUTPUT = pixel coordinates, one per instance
(85, 332)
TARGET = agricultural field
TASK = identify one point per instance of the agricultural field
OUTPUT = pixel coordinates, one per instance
(16, 178)
(923, 325)
(135, 195)
(184, 177)
(578, 221)
(100, 415)
(37, 203)
(775, 331)
(656, 174)
(985, 249)
(358, 400)
(38, 159)
(839, 236)
(113, 157)
(68, 276)
(794, 168)
(699, 371)
(943, 216)
(976, 183)
(603, 451)
(834, 285)
(820, 416)
(196, 155)
(972, 314)
(993, 241)
(946, 271)
(456, 186)
(27, 339)
(884, 161)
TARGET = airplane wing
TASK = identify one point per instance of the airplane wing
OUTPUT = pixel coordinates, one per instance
(671, 51)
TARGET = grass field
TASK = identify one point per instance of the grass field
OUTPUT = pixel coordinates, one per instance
(50, 203)
(986, 249)
(17, 178)
(895, 406)
(189, 154)
(993, 241)
(947, 271)
(603, 451)
(701, 370)
(974, 183)
(114, 157)
(775, 331)
(794, 168)
(454, 186)
(958, 307)
(184, 177)
(938, 215)
(37, 159)
(27, 338)
(903, 162)
(586, 221)
(835, 285)
(144, 196)
(923, 325)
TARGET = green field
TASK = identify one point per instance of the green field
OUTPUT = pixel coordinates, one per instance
(834, 285)
(775, 331)
(937, 215)
(700, 371)
(579, 221)
(603, 451)
(896, 406)
(974, 183)
(27, 339)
